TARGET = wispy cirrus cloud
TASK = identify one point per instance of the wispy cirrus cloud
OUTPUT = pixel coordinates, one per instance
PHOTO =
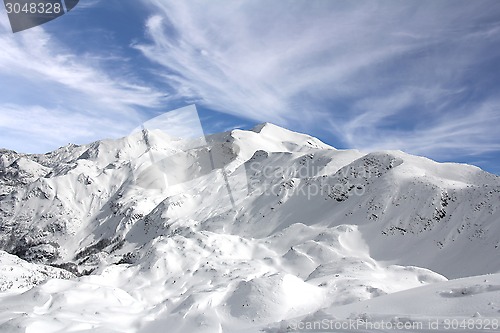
(258, 59)
(413, 75)
(471, 131)
(34, 128)
(52, 96)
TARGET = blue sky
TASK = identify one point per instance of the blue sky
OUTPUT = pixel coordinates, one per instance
(420, 76)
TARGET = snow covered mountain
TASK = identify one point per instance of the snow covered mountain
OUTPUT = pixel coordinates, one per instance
(247, 230)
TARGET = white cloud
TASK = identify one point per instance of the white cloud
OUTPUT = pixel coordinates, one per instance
(239, 60)
(54, 96)
(473, 132)
(38, 129)
(356, 65)
(411, 75)
(35, 56)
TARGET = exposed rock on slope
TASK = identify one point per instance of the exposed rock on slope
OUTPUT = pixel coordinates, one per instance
(240, 231)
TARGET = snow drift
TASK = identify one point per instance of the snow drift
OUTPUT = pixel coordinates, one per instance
(249, 231)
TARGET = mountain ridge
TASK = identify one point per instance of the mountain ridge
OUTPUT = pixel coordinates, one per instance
(182, 224)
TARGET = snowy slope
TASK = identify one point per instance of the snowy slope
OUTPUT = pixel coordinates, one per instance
(18, 275)
(462, 305)
(238, 232)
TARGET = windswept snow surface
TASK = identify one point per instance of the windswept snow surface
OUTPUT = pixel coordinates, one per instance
(261, 230)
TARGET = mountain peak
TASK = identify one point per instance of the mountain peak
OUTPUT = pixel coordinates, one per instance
(287, 137)
(256, 212)
(258, 128)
